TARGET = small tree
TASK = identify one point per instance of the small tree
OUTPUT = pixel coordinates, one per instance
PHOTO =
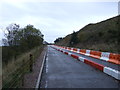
(31, 37)
(12, 32)
(58, 39)
(74, 39)
(27, 37)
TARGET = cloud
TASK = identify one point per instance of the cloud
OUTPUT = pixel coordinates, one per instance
(21, 1)
(55, 19)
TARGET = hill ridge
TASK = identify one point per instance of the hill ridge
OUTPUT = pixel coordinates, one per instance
(100, 36)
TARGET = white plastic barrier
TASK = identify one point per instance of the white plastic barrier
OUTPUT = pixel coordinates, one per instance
(112, 72)
(105, 56)
(87, 52)
(78, 50)
(71, 49)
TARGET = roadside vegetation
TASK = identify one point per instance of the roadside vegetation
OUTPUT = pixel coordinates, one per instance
(21, 48)
(19, 40)
(102, 36)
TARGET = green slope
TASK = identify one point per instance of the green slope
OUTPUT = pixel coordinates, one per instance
(102, 36)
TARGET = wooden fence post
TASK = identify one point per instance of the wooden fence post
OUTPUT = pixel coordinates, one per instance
(31, 62)
(23, 72)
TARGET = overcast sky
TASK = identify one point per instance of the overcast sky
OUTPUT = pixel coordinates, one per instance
(55, 19)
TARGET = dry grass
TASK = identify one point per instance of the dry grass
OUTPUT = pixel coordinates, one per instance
(13, 65)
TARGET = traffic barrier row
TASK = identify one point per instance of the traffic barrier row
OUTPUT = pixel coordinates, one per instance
(112, 72)
(106, 56)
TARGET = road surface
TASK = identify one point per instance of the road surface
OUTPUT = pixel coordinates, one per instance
(63, 71)
(102, 62)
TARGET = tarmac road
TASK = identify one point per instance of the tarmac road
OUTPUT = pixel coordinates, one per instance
(102, 62)
(63, 71)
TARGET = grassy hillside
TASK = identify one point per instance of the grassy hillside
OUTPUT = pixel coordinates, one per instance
(102, 36)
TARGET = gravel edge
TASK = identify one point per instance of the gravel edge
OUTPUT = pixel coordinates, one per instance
(30, 79)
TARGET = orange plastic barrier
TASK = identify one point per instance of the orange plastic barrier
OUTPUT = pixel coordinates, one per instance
(74, 56)
(69, 48)
(82, 51)
(95, 54)
(74, 49)
(66, 53)
(114, 58)
(94, 64)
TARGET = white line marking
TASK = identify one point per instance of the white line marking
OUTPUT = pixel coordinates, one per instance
(39, 77)
(47, 65)
(46, 84)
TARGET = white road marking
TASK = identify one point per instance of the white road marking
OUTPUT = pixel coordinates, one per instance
(40, 73)
(47, 65)
(46, 84)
